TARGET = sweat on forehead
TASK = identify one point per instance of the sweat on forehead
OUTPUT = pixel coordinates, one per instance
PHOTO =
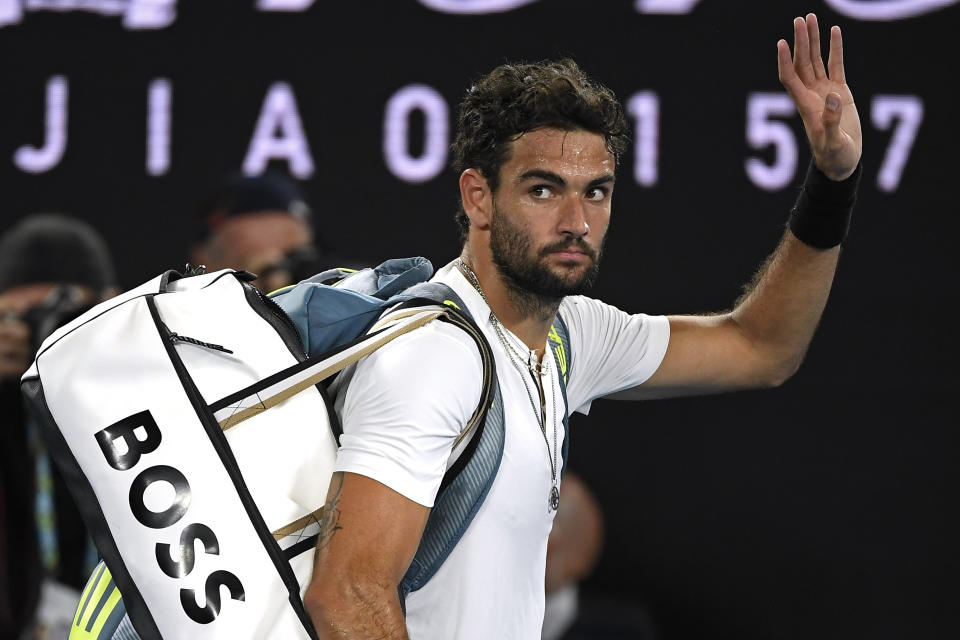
(572, 148)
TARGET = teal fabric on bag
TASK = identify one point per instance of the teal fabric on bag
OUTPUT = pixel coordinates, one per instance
(328, 315)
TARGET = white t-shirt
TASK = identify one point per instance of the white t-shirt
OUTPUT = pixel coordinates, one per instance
(403, 406)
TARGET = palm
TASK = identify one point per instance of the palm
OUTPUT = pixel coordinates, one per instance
(834, 136)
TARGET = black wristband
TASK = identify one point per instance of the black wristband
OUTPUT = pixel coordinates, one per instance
(821, 215)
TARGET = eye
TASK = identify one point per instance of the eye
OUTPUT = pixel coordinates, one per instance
(597, 194)
(541, 192)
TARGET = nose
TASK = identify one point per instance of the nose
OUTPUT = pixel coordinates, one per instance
(573, 217)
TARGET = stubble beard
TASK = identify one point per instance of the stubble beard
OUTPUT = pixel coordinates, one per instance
(534, 288)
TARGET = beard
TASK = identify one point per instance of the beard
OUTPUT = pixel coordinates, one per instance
(531, 281)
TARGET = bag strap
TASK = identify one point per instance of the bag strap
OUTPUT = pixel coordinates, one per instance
(260, 396)
(480, 447)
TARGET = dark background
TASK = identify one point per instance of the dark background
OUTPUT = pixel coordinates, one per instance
(825, 508)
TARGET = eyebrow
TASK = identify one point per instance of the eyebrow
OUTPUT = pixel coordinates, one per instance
(604, 179)
(552, 177)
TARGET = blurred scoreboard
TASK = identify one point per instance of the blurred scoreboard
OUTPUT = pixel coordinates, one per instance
(123, 111)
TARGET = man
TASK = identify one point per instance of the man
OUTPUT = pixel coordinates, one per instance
(259, 224)
(537, 149)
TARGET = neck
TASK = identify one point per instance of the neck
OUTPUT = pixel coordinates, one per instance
(527, 315)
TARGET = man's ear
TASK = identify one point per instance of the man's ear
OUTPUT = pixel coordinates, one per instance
(476, 197)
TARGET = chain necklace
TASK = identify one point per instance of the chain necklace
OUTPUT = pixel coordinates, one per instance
(537, 371)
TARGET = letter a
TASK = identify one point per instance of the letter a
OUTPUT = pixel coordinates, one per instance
(279, 116)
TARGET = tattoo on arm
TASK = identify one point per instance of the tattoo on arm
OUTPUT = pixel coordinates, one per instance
(330, 518)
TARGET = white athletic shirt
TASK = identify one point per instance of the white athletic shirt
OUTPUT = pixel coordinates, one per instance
(403, 406)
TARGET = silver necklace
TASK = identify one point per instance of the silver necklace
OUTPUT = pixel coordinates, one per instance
(537, 370)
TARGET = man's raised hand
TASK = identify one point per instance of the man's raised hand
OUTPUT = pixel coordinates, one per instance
(822, 97)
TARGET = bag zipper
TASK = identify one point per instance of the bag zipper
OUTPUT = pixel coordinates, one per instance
(287, 330)
(176, 337)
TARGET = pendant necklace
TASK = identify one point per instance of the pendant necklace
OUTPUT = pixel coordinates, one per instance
(537, 370)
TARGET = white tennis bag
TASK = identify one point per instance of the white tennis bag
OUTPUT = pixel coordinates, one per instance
(193, 456)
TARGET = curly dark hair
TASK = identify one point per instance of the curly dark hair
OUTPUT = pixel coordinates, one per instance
(516, 98)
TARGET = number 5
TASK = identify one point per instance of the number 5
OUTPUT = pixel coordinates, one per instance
(763, 131)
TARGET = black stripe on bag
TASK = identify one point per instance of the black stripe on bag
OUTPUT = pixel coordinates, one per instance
(86, 501)
(283, 374)
(46, 347)
(307, 544)
(220, 445)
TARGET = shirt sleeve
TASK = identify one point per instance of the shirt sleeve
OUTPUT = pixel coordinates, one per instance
(403, 406)
(611, 350)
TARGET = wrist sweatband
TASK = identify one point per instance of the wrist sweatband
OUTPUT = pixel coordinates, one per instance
(821, 215)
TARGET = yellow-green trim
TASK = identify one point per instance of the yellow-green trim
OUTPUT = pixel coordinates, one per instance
(559, 350)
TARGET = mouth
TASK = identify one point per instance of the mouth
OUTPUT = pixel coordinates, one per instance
(572, 252)
(570, 255)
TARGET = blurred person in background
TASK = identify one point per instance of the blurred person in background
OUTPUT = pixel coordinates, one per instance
(573, 550)
(52, 269)
(260, 224)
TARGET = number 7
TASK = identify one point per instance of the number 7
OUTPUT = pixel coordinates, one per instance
(908, 110)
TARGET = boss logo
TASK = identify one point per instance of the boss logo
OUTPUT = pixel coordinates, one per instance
(122, 449)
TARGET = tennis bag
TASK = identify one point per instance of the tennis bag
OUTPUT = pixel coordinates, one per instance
(186, 410)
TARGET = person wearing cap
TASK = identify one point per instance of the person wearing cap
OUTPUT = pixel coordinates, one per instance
(259, 224)
(52, 268)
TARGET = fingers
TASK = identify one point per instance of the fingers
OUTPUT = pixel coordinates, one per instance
(786, 72)
(835, 61)
(813, 34)
(807, 63)
(802, 63)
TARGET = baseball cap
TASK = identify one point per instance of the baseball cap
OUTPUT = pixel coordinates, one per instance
(237, 195)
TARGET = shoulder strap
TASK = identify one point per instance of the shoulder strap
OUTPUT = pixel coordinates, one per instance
(559, 341)
(467, 482)
(272, 390)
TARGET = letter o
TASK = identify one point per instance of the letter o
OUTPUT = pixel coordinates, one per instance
(396, 127)
(170, 515)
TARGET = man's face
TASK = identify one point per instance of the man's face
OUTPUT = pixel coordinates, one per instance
(551, 211)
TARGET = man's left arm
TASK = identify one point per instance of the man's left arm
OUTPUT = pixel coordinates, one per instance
(763, 339)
